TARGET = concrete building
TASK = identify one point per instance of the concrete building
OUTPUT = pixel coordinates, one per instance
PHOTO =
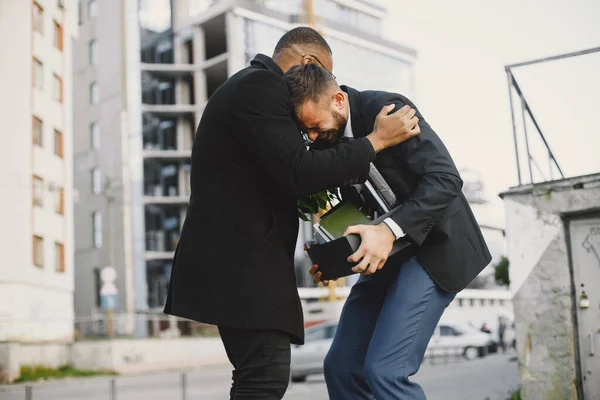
(133, 152)
(107, 155)
(36, 235)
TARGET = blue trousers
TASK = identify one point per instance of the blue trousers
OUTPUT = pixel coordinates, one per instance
(383, 333)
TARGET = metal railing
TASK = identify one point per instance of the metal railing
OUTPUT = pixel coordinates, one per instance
(527, 115)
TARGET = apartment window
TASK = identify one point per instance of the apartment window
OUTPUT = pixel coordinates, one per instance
(80, 12)
(58, 196)
(95, 135)
(96, 181)
(38, 191)
(97, 230)
(38, 74)
(58, 36)
(38, 17)
(94, 93)
(58, 143)
(38, 251)
(38, 131)
(59, 254)
(93, 49)
(97, 286)
(92, 9)
(57, 89)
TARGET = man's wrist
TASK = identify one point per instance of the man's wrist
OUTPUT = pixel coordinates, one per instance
(377, 143)
(395, 228)
(385, 228)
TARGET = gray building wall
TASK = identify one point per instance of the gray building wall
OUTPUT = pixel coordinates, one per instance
(106, 30)
(554, 361)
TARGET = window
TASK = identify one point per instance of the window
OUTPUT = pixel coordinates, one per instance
(80, 12)
(58, 197)
(59, 254)
(57, 89)
(448, 331)
(460, 302)
(93, 49)
(38, 74)
(58, 143)
(97, 232)
(92, 9)
(94, 94)
(38, 17)
(58, 36)
(95, 135)
(97, 286)
(96, 181)
(38, 251)
(316, 334)
(38, 191)
(38, 131)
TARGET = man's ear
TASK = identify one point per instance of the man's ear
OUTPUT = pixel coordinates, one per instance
(339, 99)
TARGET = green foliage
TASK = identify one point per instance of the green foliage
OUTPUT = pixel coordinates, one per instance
(37, 372)
(501, 273)
(516, 395)
(312, 203)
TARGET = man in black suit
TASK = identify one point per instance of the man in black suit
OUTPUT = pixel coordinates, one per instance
(392, 311)
(249, 166)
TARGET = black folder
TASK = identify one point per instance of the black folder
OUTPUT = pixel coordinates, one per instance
(332, 257)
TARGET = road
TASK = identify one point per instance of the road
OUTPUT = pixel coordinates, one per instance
(490, 378)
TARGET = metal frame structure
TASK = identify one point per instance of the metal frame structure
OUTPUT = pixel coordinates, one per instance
(526, 110)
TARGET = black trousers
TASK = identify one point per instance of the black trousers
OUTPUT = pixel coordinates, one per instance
(261, 363)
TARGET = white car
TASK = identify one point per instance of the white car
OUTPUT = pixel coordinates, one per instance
(308, 359)
(452, 339)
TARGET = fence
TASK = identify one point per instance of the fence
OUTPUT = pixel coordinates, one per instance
(96, 389)
(524, 140)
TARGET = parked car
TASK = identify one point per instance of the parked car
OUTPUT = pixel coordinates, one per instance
(308, 359)
(459, 339)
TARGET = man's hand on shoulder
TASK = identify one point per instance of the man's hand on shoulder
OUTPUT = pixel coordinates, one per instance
(392, 129)
(375, 247)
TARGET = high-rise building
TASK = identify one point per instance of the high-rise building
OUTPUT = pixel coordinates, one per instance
(186, 50)
(36, 234)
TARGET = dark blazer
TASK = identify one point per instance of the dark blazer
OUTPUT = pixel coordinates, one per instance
(434, 214)
(234, 265)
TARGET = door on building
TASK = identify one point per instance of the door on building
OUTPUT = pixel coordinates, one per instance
(585, 253)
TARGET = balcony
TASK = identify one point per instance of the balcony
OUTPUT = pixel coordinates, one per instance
(152, 255)
(169, 71)
(171, 110)
(167, 155)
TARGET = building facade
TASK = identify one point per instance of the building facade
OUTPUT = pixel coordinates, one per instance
(187, 49)
(36, 277)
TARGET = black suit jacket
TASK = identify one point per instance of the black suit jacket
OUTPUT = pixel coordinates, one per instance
(234, 265)
(434, 214)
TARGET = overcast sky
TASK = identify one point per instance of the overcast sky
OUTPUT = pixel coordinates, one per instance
(461, 86)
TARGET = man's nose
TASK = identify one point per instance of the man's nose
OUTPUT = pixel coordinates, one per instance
(313, 135)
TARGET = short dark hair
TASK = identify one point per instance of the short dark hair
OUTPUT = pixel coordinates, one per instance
(307, 82)
(302, 35)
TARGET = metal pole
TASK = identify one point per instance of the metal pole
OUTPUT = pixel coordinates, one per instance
(554, 58)
(28, 392)
(526, 138)
(512, 115)
(113, 389)
(183, 386)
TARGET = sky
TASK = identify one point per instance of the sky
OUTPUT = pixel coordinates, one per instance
(461, 87)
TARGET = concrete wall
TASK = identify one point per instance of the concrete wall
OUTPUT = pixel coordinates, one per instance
(541, 282)
(122, 356)
(29, 294)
